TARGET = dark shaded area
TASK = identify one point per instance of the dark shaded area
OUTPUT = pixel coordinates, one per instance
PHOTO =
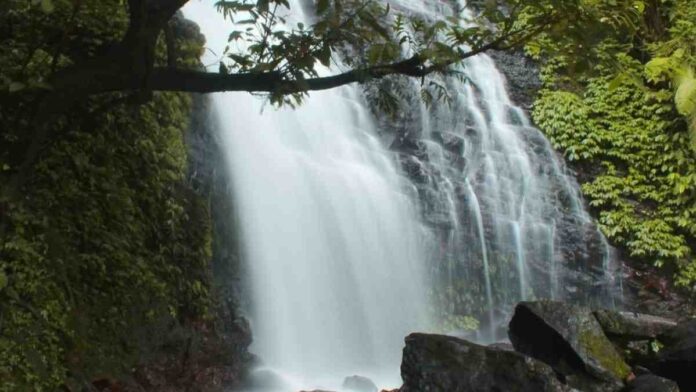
(531, 335)
(678, 362)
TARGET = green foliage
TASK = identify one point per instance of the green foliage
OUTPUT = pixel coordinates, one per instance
(620, 125)
(107, 241)
(106, 246)
(375, 40)
(40, 36)
(674, 60)
(260, 43)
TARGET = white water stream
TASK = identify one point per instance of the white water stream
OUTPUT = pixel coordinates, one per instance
(333, 247)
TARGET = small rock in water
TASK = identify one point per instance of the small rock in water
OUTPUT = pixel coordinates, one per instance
(359, 384)
(317, 390)
(265, 379)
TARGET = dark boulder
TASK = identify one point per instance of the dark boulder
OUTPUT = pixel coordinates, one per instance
(678, 362)
(652, 383)
(359, 384)
(682, 332)
(451, 142)
(411, 146)
(438, 363)
(570, 339)
(414, 169)
(640, 352)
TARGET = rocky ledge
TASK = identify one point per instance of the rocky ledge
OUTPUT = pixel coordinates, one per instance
(559, 347)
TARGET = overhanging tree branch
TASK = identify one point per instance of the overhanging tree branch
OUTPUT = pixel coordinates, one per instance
(165, 79)
(172, 79)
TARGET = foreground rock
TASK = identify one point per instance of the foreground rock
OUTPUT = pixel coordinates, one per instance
(359, 384)
(652, 383)
(437, 363)
(570, 339)
(317, 390)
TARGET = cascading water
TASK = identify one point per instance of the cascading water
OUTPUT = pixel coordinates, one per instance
(511, 221)
(343, 261)
(333, 243)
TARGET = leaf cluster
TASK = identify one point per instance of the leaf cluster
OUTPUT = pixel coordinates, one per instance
(372, 37)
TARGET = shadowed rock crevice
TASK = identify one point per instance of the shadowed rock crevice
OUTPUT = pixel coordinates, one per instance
(570, 339)
(531, 335)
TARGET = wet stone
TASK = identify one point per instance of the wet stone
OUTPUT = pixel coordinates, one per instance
(359, 384)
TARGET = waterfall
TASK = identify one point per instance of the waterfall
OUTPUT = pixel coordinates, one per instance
(349, 247)
(333, 245)
(519, 229)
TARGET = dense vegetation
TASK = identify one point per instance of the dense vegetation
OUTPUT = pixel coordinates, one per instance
(624, 114)
(104, 245)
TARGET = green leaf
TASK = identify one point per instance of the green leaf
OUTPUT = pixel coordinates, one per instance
(322, 5)
(324, 55)
(47, 6)
(639, 6)
(685, 98)
(262, 5)
(658, 68)
(374, 24)
(16, 86)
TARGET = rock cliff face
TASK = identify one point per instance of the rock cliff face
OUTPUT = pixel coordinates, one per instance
(204, 355)
(505, 214)
(522, 74)
(208, 176)
(579, 245)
